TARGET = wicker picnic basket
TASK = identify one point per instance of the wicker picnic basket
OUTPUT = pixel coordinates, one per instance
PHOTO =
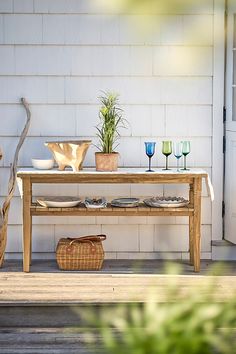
(82, 253)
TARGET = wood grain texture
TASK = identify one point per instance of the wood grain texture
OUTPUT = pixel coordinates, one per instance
(197, 188)
(191, 225)
(142, 210)
(192, 177)
(118, 281)
(120, 176)
(4, 211)
(27, 224)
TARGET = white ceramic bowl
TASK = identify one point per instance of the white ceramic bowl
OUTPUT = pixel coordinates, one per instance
(41, 164)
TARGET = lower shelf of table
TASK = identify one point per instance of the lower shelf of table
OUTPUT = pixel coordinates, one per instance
(142, 210)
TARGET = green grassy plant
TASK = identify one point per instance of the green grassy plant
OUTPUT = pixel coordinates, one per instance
(189, 321)
(111, 121)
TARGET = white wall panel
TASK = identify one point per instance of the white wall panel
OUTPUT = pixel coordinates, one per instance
(146, 233)
(43, 60)
(110, 30)
(97, 6)
(12, 119)
(43, 240)
(187, 90)
(53, 120)
(14, 238)
(172, 32)
(183, 61)
(65, 6)
(198, 30)
(7, 66)
(22, 29)
(87, 118)
(188, 120)
(195, 7)
(122, 238)
(148, 90)
(162, 67)
(23, 6)
(1, 29)
(6, 6)
(35, 89)
(140, 30)
(174, 237)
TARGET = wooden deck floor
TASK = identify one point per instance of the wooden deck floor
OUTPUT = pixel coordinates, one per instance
(119, 281)
(38, 310)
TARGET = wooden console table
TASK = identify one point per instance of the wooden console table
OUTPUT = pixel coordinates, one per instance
(26, 178)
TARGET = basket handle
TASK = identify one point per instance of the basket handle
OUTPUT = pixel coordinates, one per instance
(88, 239)
(92, 238)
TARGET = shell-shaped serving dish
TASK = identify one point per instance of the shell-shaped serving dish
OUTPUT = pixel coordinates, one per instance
(166, 202)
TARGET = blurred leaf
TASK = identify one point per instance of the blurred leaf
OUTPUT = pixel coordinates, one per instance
(195, 324)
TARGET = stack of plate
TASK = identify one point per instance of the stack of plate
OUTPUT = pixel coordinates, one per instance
(166, 202)
(95, 203)
(58, 202)
(125, 202)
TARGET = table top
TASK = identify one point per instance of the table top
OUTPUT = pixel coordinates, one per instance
(31, 172)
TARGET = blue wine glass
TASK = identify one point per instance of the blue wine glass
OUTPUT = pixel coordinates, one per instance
(150, 151)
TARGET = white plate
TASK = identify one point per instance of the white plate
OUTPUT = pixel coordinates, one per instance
(125, 202)
(59, 202)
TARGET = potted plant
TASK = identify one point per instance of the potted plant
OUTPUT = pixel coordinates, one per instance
(111, 121)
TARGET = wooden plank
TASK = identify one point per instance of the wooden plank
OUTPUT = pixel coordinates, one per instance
(197, 188)
(109, 211)
(27, 224)
(191, 225)
(48, 340)
(51, 286)
(121, 176)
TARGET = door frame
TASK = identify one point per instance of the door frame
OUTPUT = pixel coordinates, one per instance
(219, 19)
(229, 63)
(229, 126)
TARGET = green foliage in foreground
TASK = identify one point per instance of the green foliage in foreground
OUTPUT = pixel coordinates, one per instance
(110, 122)
(194, 323)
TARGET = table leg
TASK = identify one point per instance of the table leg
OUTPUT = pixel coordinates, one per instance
(191, 225)
(27, 224)
(197, 188)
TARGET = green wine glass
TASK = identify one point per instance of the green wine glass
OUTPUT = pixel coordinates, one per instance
(185, 151)
(166, 150)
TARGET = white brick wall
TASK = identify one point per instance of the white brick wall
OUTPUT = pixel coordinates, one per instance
(60, 54)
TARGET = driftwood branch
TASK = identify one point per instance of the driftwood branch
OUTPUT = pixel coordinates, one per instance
(4, 211)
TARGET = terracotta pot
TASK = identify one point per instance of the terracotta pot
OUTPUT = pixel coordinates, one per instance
(106, 162)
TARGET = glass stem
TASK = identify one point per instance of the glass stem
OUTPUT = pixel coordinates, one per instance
(167, 162)
(184, 162)
(149, 163)
(177, 164)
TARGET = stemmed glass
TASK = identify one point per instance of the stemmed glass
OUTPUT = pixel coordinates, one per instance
(166, 150)
(186, 150)
(178, 152)
(150, 151)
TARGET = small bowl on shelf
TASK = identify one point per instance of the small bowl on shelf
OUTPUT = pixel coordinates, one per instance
(43, 164)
